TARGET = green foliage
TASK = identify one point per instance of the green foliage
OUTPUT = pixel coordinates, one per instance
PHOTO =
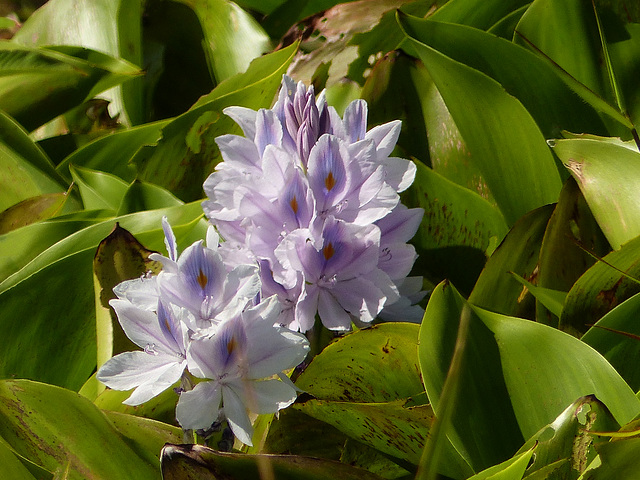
(521, 119)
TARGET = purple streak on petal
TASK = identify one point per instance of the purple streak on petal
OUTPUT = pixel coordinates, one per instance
(355, 121)
(268, 130)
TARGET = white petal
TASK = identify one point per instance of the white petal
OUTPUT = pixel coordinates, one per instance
(199, 408)
(331, 313)
(245, 117)
(385, 137)
(273, 395)
(141, 326)
(399, 173)
(235, 410)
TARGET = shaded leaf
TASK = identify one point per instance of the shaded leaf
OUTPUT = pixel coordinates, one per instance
(553, 300)
(98, 190)
(476, 13)
(182, 462)
(32, 210)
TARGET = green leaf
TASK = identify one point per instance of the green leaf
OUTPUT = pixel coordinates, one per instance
(142, 196)
(232, 37)
(172, 164)
(512, 469)
(112, 153)
(476, 13)
(505, 362)
(183, 462)
(620, 350)
(377, 364)
(526, 76)
(112, 27)
(553, 300)
(600, 168)
(98, 190)
(494, 141)
(563, 259)
(12, 467)
(605, 285)
(618, 460)
(32, 210)
(571, 438)
(66, 434)
(162, 407)
(25, 171)
(69, 80)
(517, 253)
(66, 307)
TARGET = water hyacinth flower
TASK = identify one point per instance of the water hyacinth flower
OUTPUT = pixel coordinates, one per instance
(196, 319)
(285, 191)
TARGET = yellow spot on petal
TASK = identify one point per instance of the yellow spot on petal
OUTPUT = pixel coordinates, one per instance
(231, 345)
(202, 279)
(294, 204)
(328, 251)
(330, 182)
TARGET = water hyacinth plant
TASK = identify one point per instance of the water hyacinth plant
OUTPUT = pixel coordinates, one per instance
(372, 240)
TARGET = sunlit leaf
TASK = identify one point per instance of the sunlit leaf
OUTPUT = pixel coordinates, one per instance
(98, 190)
(609, 177)
(506, 360)
(61, 431)
(494, 141)
(112, 27)
(377, 364)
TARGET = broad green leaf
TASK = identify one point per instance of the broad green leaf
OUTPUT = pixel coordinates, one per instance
(495, 141)
(625, 55)
(552, 104)
(517, 253)
(25, 171)
(458, 227)
(98, 190)
(605, 285)
(570, 230)
(184, 462)
(64, 432)
(20, 246)
(570, 438)
(620, 350)
(112, 153)
(567, 33)
(505, 27)
(476, 13)
(146, 196)
(512, 469)
(391, 428)
(232, 37)
(172, 164)
(70, 78)
(112, 27)
(505, 361)
(119, 257)
(359, 455)
(66, 355)
(609, 178)
(32, 210)
(377, 364)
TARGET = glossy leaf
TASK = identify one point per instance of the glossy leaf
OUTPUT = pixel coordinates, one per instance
(505, 361)
(161, 407)
(377, 364)
(518, 186)
(98, 190)
(608, 175)
(71, 76)
(172, 164)
(112, 27)
(476, 13)
(553, 300)
(141, 196)
(552, 104)
(512, 469)
(226, 27)
(63, 432)
(617, 460)
(184, 462)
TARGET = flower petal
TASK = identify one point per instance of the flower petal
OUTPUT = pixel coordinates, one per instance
(200, 407)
